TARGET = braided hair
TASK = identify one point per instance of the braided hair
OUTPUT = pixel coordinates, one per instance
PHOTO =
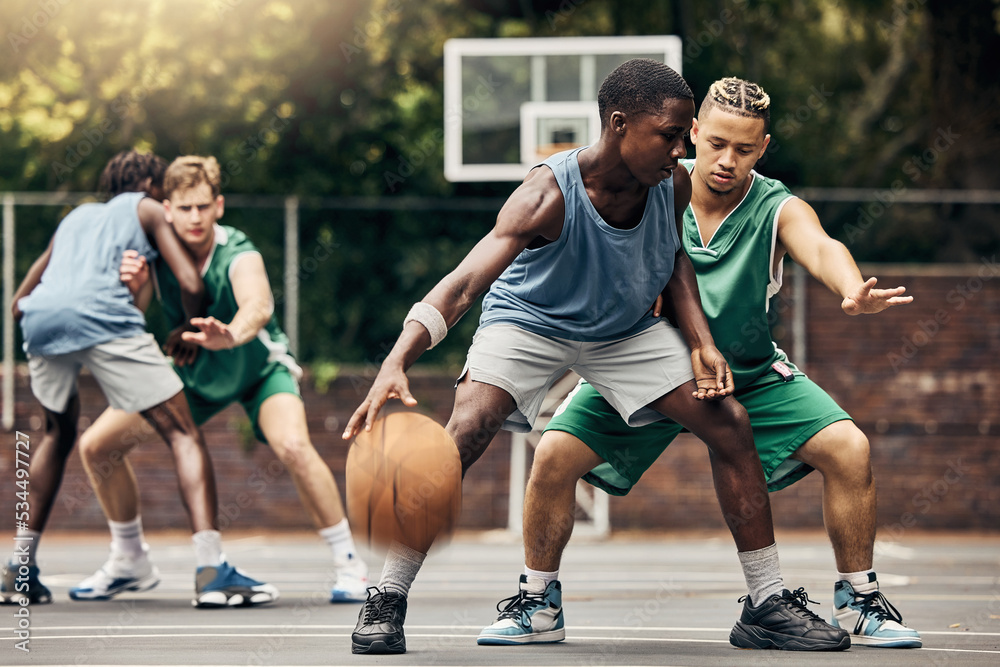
(739, 97)
(128, 171)
(640, 86)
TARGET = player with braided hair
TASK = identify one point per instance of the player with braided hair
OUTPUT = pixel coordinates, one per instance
(578, 255)
(736, 232)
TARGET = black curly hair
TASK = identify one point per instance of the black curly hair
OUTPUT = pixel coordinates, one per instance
(128, 171)
(640, 86)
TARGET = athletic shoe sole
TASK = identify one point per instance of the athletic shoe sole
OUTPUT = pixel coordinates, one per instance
(378, 647)
(337, 597)
(219, 599)
(548, 637)
(756, 637)
(146, 583)
(894, 642)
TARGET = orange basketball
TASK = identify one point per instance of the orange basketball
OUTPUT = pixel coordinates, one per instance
(404, 482)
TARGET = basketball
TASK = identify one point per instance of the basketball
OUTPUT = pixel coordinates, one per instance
(404, 482)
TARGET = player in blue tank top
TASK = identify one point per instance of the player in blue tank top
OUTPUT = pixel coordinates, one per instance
(75, 312)
(566, 261)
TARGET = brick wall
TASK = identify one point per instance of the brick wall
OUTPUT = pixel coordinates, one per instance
(920, 380)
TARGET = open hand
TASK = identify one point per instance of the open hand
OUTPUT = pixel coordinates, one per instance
(211, 335)
(867, 301)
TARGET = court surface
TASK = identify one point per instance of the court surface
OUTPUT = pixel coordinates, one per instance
(636, 599)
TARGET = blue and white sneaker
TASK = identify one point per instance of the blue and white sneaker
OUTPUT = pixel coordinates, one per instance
(533, 616)
(16, 586)
(870, 619)
(352, 581)
(225, 586)
(120, 574)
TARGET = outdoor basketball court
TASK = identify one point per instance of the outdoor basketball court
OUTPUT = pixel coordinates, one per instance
(630, 600)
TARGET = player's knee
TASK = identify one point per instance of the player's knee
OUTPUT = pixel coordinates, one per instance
(472, 434)
(557, 460)
(852, 454)
(733, 418)
(295, 452)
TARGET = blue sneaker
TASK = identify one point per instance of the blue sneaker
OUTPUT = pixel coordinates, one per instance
(120, 574)
(225, 586)
(15, 586)
(871, 620)
(533, 616)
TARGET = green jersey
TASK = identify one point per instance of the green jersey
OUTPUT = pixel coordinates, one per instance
(223, 376)
(736, 277)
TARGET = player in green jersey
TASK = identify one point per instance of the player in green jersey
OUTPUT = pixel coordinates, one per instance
(235, 354)
(737, 230)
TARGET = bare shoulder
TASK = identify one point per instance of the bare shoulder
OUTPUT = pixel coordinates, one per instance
(682, 188)
(150, 213)
(797, 213)
(535, 208)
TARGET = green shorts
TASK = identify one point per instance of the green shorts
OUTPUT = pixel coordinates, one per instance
(278, 381)
(784, 415)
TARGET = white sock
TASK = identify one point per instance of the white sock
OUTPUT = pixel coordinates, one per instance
(338, 536)
(536, 576)
(207, 548)
(862, 582)
(762, 572)
(25, 546)
(126, 537)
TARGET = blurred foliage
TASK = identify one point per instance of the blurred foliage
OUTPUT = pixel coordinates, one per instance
(336, 99)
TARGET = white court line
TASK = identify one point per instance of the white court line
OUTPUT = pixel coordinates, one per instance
(470, 628)
(445, 636)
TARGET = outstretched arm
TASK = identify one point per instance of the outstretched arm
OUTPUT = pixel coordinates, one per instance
(829, 261)
(255, 307)
(534, 210)
(161, 234)
(683, 304)
(31, 280)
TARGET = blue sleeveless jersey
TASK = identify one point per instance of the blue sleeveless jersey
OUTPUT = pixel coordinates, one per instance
(594, 282)
(81, 301)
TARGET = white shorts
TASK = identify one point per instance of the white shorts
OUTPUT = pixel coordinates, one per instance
(132, 372)
(630, 373)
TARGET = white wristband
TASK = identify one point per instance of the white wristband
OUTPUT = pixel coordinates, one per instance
(431, 319)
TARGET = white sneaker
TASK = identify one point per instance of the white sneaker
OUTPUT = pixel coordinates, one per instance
(121, 573)
(352, 581)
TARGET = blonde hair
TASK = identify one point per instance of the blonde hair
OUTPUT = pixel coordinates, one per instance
(740, 97)
(190, 171)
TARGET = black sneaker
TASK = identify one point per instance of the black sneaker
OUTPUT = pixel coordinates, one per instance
(380, 624)
(783, 622)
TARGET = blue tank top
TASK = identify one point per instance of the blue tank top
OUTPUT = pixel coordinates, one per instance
(594, 282)
(81, 301)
